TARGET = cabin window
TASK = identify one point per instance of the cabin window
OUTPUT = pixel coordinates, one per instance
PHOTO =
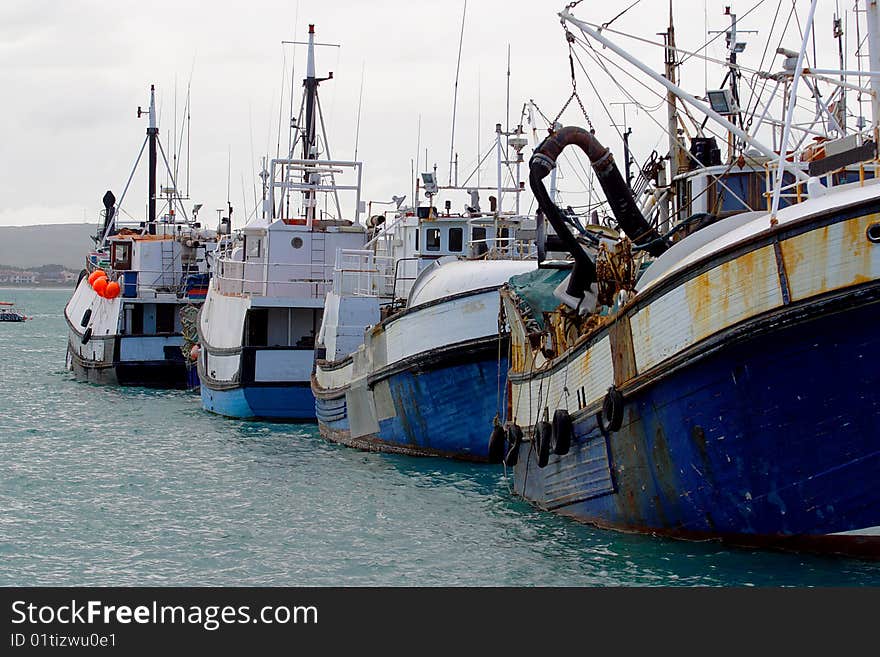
(456, 239)
(417, 239)
(134, 318)
(684, 200)
(479, 241)
(120, 256)
(257, 328)
(165, 317)
(432, 239)
(252, 247)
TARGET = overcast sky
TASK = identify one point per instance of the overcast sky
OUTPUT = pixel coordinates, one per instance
(73, 73)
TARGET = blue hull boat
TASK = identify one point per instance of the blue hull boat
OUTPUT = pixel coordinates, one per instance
(426, 417)
(286, 403)
(729, 392)
(764, 436)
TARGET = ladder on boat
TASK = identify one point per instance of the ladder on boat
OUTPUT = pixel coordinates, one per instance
(166, 277)
(318, 262)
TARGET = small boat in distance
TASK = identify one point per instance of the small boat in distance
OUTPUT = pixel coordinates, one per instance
(8, 313)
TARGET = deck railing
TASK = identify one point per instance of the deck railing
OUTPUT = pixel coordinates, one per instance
(255, 278)
(360, 272)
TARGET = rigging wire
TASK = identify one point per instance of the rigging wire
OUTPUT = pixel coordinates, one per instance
(604, 25)
(596, 56)
(455, 91)
(717, 36)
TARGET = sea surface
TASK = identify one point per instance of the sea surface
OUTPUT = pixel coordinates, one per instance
(126, 486)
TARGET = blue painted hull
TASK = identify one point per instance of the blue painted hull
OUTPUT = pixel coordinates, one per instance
(442, 411)
(282, 403)
(772, 440)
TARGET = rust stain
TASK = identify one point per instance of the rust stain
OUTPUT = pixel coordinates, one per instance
(829, 258)
(857, 250)
(472, 307)
(699, 300)
(730, 292)
(622, 352)
(664, 466)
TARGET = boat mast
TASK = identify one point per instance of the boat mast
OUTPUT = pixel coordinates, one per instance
(152, 137)
(309, 150)
(872, 16)
(671, 123)
(841, 104)
(734, 47)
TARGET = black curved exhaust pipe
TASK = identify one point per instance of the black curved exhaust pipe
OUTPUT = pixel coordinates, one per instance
(109, 201)
(620, 198)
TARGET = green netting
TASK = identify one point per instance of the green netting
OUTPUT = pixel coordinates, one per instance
(536, 287)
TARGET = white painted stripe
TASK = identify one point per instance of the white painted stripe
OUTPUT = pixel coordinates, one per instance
(334, 379)
(867, 531)
(831, 258)
(705, 305)
(591, 374)
(457, 320)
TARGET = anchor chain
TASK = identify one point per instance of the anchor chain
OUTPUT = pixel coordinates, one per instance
(570, 38)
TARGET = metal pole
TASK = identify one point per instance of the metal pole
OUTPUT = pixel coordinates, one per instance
(789, 118)
(872, 15)
(498, 191)
(152, 135)
(311, 85)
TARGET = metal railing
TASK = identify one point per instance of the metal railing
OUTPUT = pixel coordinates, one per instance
(360, 272)
(255, 278)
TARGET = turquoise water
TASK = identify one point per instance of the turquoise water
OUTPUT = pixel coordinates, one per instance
(109, 486)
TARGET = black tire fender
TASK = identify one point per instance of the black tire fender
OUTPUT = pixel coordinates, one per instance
(561, 436)
(496, 444)
(541, 436)
(612, 409)
(87, 336)
(514, 439)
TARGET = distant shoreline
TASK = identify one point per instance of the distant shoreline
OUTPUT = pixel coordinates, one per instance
(56, 286)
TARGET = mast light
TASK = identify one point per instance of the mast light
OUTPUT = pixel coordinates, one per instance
(721, 101)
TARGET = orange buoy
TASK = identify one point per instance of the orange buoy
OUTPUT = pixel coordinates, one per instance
(95, 275)
(194, 352)
(112, 290)
(100, 285)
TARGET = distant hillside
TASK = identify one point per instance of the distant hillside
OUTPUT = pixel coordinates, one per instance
(32, 246)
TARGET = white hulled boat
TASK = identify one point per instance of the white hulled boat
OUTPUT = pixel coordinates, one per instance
(139, 288)
(265, 304)
(411, 339)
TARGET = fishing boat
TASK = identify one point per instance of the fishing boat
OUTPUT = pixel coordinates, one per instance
(717, 381)
(265, 303)
(9, 313)
(128, 316)
(410, 343)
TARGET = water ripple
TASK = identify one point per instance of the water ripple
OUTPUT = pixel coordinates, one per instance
(108, 486)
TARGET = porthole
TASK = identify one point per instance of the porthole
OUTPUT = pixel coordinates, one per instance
(296, 242)
(873, 233)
